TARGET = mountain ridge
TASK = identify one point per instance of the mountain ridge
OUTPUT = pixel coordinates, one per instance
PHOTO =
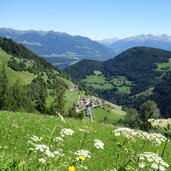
(162, 41)
(66, 48)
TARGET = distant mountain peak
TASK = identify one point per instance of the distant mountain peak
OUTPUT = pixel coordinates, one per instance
(162, 41)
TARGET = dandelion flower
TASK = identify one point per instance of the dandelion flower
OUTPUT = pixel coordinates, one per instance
(71, 168)
(81, 158)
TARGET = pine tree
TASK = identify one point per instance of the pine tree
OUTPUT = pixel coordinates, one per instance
(4, 88)
(59, 102)
(19, 100)
(41, 101)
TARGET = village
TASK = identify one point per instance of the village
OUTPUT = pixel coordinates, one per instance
(87, 104)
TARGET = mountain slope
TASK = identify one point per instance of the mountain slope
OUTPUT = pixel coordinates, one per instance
(83, 68)
(132, 77)
(41, 81)
(61, 49)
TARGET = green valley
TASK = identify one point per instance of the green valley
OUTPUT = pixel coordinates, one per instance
(128, 79)
(41, 82)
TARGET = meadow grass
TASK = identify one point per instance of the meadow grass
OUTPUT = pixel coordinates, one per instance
(71, 98)
(23, 77)
(98, 81)
(164, 66)
(16, 129)
(112, 115)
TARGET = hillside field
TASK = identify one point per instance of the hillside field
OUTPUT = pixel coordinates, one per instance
(19, 146)
(99, 81)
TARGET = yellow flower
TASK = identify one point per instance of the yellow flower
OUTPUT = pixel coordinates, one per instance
(71, 168)
(82, 158)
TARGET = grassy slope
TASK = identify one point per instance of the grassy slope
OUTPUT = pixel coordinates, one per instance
(164, 66)
(111, 114)
(17, 128)
(71, 97)
(24, 77)
(99, 82)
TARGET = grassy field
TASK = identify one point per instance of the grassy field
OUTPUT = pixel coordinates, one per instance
(20, 148)
(98, 81)
(164, 66)
(112, 115)
(71, 98)
(24, 77)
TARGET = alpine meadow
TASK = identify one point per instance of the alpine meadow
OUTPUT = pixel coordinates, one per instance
(85, 85)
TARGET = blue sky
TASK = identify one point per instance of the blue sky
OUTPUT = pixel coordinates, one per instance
(96, 19)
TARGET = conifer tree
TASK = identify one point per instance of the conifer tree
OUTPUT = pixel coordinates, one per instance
(41, 101)
(4, 88)
(59, 102)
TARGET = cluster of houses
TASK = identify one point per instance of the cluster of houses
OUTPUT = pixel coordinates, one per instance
(87, 104)
(29, 61)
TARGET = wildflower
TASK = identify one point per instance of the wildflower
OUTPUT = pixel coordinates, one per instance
(126, 132)
(86, 129)
(36, 138)
(81, 158)
(49, 154)
(141, 165)
(71, 168)
(157, 162)
(41, 147)
(130, 134)
(84, 153)
(42, 161)
(98, 144)
(66, 131)
(58, 139)
(58, 153)
(154, 166)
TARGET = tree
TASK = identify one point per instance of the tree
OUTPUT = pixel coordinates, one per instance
(132, 119)
(58, 104)
(41, 100)
(18, 99)
(148, 110)
(4, 88)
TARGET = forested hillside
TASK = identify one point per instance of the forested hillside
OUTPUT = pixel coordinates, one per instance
(132, 77)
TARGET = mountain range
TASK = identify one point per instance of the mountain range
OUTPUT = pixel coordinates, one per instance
(149, 40)
(61, 49)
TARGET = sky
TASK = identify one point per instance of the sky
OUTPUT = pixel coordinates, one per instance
(96, 19)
